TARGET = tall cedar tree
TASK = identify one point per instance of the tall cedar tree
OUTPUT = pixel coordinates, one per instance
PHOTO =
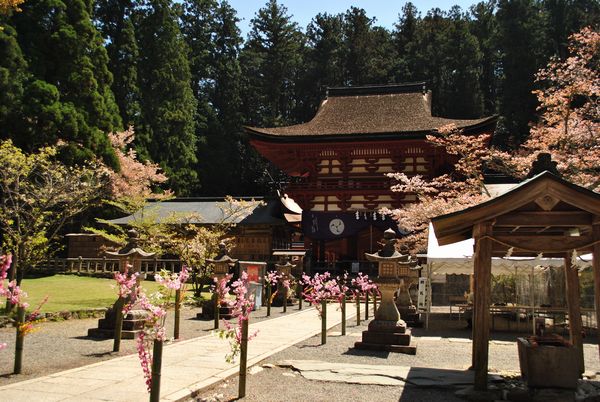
(462, 95)
(211, 32)
(114, 19)
(403, 36)
(68, 96)
(271, 59)
(13, 75)
(484, 27)
(323, 61)
(521, 42)
(166, 133)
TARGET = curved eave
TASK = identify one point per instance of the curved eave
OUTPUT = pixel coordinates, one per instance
(458, 225)
(261, 134)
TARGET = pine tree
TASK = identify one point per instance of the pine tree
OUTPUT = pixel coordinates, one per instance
(166, 133)
(71, 85)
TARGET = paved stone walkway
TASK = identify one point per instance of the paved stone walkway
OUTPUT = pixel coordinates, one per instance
(187, 367)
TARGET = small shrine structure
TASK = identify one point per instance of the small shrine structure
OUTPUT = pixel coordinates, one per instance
(388, 332)
(338, 160)
(544, 214)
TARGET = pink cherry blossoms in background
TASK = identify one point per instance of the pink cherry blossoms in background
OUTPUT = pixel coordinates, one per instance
(320, 287)
(155, 307)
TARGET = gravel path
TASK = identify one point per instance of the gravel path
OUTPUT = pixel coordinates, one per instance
(63, 345)
(446, 346)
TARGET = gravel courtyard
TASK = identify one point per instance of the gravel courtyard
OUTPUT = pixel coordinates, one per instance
(58, 346)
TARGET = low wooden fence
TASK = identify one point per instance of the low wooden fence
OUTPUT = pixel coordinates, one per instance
(105, 265)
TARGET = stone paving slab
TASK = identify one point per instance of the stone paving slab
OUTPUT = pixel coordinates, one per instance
(369, 374)
(188, 366)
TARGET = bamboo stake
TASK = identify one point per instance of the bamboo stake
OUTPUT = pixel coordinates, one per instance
(268, 299)
(343, 314)
(366, 306)
(285, 297)
(177, 313)
(299, 297)
(118, 324)
(243, 359)
(20, 339)
(323, 322)
(156, 366)
(357, 297)
(216, 303)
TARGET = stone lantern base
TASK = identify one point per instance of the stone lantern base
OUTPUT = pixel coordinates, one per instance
(387, 332)
(133, 323)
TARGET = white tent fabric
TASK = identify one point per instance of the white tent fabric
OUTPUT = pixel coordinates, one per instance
(457, 258)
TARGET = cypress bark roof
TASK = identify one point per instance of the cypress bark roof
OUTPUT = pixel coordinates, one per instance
(381, 109)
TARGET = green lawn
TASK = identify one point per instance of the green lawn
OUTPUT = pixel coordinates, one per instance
(71, 293)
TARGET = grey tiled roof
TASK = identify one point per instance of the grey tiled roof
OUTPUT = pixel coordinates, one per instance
(205, 211)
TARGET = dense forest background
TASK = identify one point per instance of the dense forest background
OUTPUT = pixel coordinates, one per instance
(182, 75)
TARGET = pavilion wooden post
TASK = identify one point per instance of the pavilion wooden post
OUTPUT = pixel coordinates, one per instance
(574, 308)
(596, 266)
(481, 306)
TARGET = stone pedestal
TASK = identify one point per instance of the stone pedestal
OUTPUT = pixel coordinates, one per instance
(387, 332)
(208, 311)
(408, 311)
(133, 323)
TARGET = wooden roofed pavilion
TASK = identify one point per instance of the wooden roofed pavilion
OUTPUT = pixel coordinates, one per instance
(544, 214)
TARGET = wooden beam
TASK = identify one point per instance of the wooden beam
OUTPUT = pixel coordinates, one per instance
(574, 308)
(536, 218)
(481, 327)
(596, 268)
(546, 243)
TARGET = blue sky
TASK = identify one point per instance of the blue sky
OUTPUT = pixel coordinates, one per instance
(386, 11)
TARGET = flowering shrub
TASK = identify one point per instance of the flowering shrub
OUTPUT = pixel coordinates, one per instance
(221, 288)
(320, 287)
(155, 307)
(241, 307)
(272, 278)
(363, 285)
(127, 287)
(16, 296)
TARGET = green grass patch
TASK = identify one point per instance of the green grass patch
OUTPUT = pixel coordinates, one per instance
(72, 293)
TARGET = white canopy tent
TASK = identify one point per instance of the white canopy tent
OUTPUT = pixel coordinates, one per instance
(457, 258)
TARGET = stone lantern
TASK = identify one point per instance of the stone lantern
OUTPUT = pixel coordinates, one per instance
(282, 298)
(222, 262)
(133, 322)
(131, 254)
(388, 332)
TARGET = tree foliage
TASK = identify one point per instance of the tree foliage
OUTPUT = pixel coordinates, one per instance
(39, 196)
(568, 130)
